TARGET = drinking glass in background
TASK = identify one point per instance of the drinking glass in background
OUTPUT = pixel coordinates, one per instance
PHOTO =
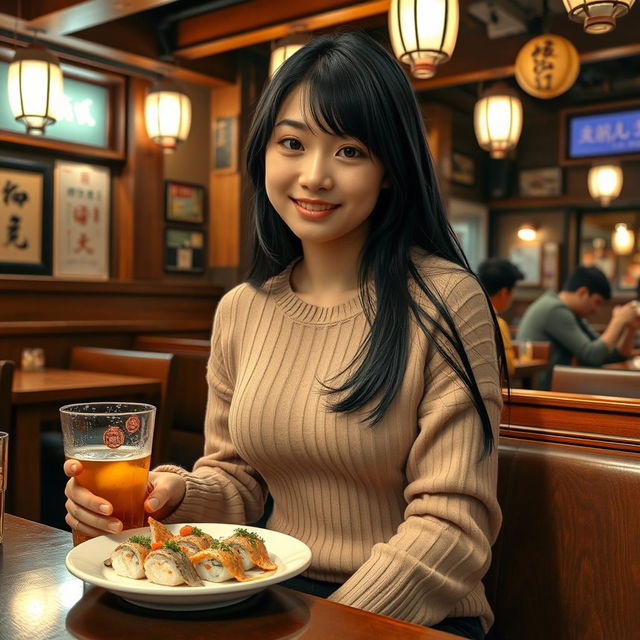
(113, 441)
(526, 351)
(4, 456)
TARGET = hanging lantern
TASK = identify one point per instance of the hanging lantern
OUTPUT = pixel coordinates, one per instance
(622, 240)
(285, 48)
(605, 182)
(547, 66)
(597, 16)
(35, 88)
(423, 33)
(497, 120)
(167, 115)
(527, 232)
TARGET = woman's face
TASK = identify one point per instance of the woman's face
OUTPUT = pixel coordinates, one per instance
(323, 186)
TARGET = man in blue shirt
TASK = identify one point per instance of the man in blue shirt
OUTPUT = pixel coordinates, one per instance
(560, 318)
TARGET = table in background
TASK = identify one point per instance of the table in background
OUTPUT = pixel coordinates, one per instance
(526, 370)
(37, 396)
(40, 599)
(627, 365)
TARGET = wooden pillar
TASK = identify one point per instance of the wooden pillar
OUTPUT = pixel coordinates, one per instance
(438, 120)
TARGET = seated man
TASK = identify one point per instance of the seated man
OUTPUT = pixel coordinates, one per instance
(560, 319)
(498, 277)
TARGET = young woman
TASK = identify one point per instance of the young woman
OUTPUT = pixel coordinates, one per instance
(354, 376)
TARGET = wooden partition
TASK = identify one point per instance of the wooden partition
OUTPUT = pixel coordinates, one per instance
(57, 315)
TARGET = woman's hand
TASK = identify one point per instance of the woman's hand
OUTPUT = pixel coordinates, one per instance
(91, 514)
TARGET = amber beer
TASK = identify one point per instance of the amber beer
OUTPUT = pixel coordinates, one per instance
(113, 441)
(121, 481)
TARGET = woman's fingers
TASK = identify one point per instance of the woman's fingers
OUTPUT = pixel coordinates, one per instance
(167, 491)
(90, 522)
(73, 467)
(90, 509)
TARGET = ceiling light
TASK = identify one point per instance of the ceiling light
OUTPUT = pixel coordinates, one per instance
(497, 120)
(605, 182)
(167, 114)
(597, 16)
(527, 232)
(622, 240)
(285, 48)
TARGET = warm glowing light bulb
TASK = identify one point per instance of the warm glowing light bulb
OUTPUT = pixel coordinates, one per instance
(623, 239)
(527, 232)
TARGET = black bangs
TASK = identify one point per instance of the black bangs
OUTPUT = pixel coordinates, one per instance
(338, 101)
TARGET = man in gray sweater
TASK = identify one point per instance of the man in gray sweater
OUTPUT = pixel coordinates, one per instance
(559, 318)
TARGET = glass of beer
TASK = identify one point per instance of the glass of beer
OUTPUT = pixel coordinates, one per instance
(113, 441)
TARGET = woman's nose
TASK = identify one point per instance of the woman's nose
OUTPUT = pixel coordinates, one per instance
(315, 173)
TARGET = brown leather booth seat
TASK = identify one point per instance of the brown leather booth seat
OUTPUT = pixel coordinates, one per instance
(567, 563)
(603, 382)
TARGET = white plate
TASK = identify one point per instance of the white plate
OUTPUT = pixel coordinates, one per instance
(86, 561)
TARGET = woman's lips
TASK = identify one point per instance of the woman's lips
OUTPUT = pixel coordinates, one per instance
(314, 210)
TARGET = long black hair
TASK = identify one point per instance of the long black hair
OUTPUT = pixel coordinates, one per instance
(355, 88)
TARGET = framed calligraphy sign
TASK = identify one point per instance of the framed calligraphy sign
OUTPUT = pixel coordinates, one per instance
(25, 217)
(82, 221)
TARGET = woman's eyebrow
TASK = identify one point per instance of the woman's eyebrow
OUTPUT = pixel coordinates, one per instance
(296, 124)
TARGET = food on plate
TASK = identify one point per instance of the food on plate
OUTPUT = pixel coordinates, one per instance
(173, 560)
(218, 563)
(170, 566)
(128, 557)
(251, 548)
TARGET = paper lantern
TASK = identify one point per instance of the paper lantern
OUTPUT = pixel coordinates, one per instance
(605, 183)
(35, 88)
(622, 240)
(597, 16)
(547, 66)
(167, 115)
(423, 33)
(285, 48)
(497, 120)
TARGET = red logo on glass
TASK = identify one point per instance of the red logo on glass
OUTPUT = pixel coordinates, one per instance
(113, 437)
(132, 424)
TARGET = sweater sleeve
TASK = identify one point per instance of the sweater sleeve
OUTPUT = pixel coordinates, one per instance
(442, 549)
(222, 487)
(563, 327)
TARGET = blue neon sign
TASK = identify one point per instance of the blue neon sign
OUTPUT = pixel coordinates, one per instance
(604, 134)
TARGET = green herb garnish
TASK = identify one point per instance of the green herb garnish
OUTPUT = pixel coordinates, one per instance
(252, 537)
(172, 544)
(145, 541)
(197, 532)
(219, 545)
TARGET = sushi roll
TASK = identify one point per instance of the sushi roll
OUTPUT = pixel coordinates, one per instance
(251, 548)
(128, 557)
(159, 533)
(192, 539)
(170, 567)
(218, 563)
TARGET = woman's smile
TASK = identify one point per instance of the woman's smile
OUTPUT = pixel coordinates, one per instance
(313, 209)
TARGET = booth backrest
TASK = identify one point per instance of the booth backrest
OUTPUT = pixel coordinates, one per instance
(6, 381)
(603, 382)
(566, 565)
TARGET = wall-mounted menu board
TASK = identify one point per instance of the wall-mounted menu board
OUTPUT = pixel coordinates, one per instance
(603, 131)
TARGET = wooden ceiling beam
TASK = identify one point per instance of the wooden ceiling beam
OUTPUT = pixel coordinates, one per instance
(273, 31)
(62, 18)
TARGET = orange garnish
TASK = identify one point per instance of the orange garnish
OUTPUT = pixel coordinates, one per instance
(186, 530)
(156, 545)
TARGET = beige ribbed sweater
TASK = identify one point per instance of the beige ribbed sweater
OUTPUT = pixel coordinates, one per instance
(402, 513)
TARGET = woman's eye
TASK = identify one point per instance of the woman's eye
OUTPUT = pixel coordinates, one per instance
(351, 152)
(291, 143)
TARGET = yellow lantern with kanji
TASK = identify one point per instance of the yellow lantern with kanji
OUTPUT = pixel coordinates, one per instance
(547, 66)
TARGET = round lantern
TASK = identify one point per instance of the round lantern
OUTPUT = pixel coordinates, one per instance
(423, 33)
(547, 66)
(35, 88)
(527, 232)
(622, 240)
(285, 48)
(497, 120)
(167, 115)
(605, 182)
(597, 16)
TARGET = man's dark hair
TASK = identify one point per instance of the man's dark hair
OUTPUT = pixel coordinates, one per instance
(590, 277)
(498, 273)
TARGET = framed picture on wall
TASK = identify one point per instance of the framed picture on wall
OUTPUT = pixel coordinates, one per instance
(527, 258)
(184, 202)
(540, 183)
(225, 144)
(463, 169)
(184, 250)
(82, 220)
(26, 190)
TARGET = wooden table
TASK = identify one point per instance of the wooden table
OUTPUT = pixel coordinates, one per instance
(525, 370)
(627, 365)
(37, 396)
(40, 599)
